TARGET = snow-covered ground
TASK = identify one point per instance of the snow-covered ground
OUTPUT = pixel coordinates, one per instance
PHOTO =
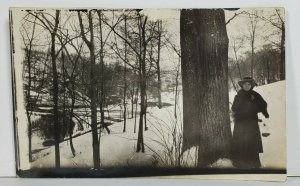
(119, 149)
(275, 144)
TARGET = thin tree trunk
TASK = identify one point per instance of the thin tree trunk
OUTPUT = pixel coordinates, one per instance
(282, 54)
(92, 88)
(204, 45)
(158, 64)
(29, 136)
(140, 141)
(102, 97)
(142, 76)
(237, 63)
(176, 92)
(28, 105)
(93, 106)
(124, 77)
(232, 82)
(268, 71)
(136, 105)
(28, 95)
(252, 57)
(55, 92)
(145, 114)
(132, 104)
(71, 124)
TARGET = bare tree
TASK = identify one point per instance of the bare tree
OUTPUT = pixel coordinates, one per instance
(53, 28)
(140, 50)
(276, 20)
(142, 21)
(174, 48)
(157, 62)
(28, 42)
(124, 75)
(252, 29)
(55, 90)
(92, 91)
(236, 44)
(282, 45)
(103, 41)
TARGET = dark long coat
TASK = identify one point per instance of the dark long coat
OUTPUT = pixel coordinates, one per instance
(246, 141)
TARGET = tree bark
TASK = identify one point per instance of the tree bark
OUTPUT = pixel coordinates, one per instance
(204, 45)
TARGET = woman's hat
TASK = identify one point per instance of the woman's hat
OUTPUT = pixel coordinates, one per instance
(247, 79)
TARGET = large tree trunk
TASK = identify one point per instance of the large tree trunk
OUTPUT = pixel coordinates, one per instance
(204, 45)
(55, 92)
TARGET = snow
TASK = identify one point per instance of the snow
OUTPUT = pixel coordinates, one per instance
(163, 136)
(275, 144)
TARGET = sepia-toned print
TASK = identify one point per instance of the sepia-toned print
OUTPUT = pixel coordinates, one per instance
(149, 92)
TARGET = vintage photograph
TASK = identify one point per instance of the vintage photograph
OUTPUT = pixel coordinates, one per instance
(149, 92)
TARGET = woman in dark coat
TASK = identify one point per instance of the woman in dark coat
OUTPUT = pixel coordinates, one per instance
(246, 141)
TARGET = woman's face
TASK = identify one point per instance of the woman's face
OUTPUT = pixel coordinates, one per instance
(247, 86)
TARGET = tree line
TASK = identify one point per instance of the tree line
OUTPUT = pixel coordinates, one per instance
(92, 59)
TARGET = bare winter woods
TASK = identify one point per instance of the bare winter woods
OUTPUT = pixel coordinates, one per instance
(123, 72)
(90, 60)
